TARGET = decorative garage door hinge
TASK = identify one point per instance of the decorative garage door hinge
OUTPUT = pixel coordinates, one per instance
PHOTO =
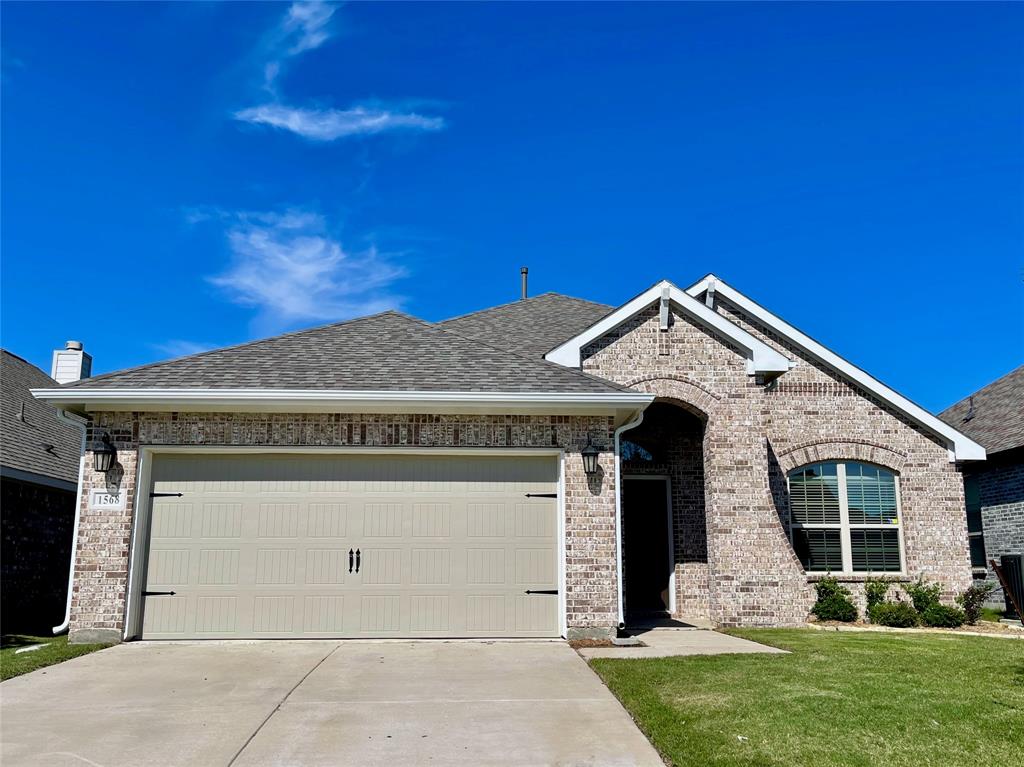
(158, 593)
(542, 495)
(541, 591)
(166, 495)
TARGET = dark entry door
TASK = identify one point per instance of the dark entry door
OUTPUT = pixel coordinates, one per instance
(645, 546)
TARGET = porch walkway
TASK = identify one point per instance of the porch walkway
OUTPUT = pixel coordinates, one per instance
(663, 642)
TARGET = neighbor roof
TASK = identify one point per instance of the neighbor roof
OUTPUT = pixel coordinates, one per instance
(32, 439)
(531, 326)
(387, 352)
(994, 415)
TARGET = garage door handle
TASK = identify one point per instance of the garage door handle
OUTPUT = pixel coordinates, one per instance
(541, 591)
(350, 560)
(357, 560)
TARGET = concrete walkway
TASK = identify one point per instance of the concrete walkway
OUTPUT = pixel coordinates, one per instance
(318, 703)
(667, 642)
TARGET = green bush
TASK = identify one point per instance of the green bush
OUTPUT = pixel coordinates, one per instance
(896, 614)
(943, 616)
(833, 603)
(973, 600)
(875, 590)
(922, 593)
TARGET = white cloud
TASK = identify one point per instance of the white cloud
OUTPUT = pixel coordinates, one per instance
(180, 348)
(290, 268)
(304, 27)
(332, 124)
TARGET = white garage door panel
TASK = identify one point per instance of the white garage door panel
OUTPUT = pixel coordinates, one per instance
(259, 546)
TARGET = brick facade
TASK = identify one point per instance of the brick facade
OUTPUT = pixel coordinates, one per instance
(754, 434)
(101, 569)
(37, 528)
(1001, 491)
(734, 561)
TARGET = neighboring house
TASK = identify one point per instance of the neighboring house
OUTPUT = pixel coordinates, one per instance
(994, 490)
(390, 477)
(39, 462)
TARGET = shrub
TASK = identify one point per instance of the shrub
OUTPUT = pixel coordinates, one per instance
(922, 593)
(834, 603)
(942, 616)
(875, 590)
(973, 600)
(898, 614)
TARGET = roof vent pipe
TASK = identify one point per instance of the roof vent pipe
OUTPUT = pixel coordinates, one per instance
(523, 272)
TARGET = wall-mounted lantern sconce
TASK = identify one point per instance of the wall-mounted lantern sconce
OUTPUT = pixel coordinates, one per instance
(104, 455)
(590, 454)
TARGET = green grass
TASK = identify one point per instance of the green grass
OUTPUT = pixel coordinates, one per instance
(838, 699)
(57, 650)
(991, 614)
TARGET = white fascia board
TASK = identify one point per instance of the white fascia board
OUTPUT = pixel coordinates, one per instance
(317, 400)
(761, 357)
(962, 448)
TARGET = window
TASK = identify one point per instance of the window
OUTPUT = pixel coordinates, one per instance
(844, 518)
(631, 451)
(975, 531)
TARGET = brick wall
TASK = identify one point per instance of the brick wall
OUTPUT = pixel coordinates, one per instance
(755, 434)
(37, 528)
(98, 605)
(1001, 490)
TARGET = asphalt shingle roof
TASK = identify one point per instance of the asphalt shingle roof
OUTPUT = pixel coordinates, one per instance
(36, 442)
(997, 419)
(532, 326)
(383, 352)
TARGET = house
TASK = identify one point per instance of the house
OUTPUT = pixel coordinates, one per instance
(994, 490)
(39, 461)
(549, 467)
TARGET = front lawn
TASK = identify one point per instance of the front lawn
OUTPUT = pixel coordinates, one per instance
(838, 699)
(57, 650)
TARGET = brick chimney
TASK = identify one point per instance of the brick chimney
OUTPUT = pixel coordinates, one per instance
(71, 363)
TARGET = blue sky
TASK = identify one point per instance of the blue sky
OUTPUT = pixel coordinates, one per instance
(177, 177)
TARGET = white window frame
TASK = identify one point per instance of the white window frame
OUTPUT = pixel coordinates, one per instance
(845, 526)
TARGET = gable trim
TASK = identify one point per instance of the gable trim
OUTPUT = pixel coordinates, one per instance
(761, 358)
(961, 447)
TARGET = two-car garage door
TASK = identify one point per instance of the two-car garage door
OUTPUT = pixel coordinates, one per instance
(368, 545)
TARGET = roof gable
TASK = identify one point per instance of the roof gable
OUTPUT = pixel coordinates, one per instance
(993, 415)
(531, 326)
(961, 447)
(761, 358)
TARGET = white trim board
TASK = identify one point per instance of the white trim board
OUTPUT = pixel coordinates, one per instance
(761, 358)
(622, 403)
(961, 448)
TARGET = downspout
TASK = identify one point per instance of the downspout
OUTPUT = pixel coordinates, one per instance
(618, 510)
(62, 415)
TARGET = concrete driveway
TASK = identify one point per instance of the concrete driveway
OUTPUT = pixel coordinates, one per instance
(319, 703)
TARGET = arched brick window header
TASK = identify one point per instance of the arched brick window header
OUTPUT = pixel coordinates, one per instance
(841, 450)
(680, 391)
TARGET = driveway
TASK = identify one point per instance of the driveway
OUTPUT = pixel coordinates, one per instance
(318, 703)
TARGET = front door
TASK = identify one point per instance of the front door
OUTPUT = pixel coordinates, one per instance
(645, 541)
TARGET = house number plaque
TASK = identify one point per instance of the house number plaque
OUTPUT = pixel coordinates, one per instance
(104, 499)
